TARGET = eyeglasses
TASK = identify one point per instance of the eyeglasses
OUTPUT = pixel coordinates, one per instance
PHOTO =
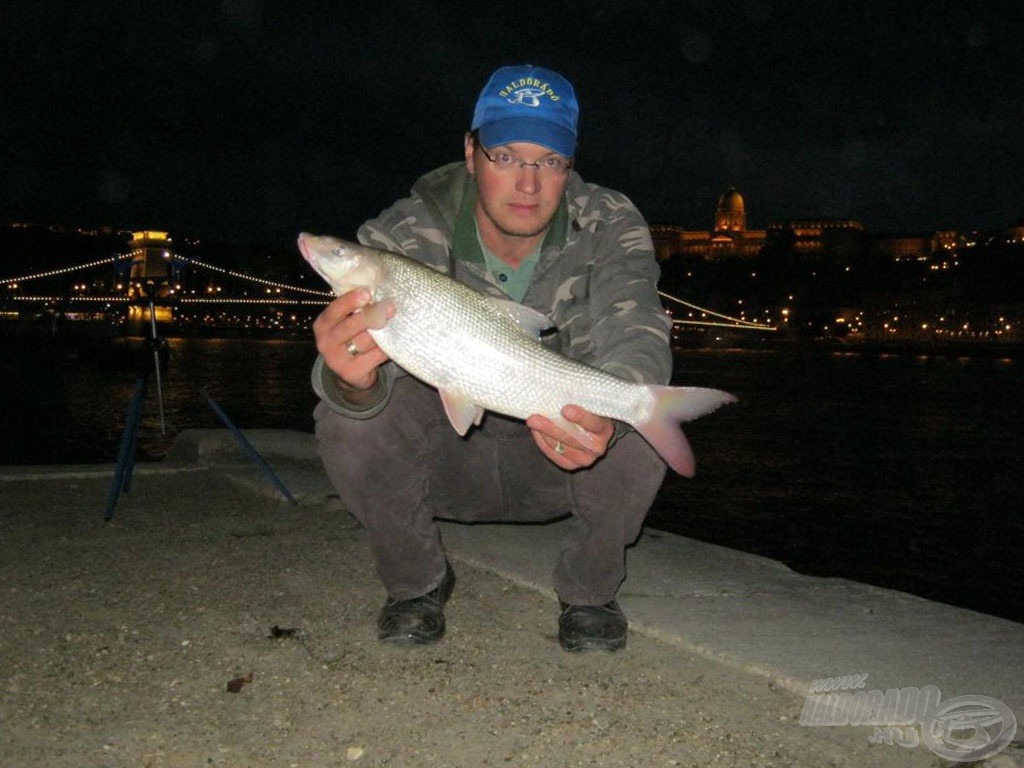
(506, 162)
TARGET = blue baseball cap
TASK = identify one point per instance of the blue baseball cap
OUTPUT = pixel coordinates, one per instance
(530, 104)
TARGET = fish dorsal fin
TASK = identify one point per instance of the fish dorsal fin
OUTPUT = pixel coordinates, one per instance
(529, 321)
(461, 411)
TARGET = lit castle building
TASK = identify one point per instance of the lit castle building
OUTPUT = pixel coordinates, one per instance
(730, 237)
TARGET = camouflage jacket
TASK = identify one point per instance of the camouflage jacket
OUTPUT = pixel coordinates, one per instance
(596, 278)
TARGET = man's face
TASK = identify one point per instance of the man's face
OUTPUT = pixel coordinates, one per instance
(516, 201)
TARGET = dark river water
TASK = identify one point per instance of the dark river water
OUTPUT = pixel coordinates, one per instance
(901, 470)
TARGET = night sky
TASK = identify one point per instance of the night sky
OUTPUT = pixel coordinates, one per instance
(251, 120)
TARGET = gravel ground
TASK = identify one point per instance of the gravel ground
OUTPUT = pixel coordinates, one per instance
(118, 643)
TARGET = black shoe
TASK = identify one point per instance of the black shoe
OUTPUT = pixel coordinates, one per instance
(418, 621)
(592, 627)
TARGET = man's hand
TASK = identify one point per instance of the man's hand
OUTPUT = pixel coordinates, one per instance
(341, 338)
(573, 449)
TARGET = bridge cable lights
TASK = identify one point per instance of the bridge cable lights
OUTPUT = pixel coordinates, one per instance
(733, 322)
(258, 280)
(64, 270)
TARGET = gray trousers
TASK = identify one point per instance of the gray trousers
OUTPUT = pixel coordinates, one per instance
(401, 470)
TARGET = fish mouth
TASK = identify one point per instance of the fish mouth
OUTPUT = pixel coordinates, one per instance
(309, 254)
(305, 249)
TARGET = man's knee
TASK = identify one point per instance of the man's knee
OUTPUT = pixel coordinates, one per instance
(623, 484)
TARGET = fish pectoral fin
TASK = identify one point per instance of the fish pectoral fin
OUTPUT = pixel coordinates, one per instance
(529, 321)
(376, 314)
(461, 411)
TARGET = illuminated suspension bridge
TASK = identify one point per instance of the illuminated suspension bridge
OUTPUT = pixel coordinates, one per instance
(129, 282)
(120, 291)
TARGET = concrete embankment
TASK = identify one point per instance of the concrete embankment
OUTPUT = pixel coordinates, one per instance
(119, 639)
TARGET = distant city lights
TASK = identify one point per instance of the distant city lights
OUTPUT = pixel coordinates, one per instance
(210, 296)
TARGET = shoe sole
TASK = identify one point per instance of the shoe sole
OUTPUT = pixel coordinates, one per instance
(595, 646)
(409, 641)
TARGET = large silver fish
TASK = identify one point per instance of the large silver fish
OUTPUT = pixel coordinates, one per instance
(483, 353)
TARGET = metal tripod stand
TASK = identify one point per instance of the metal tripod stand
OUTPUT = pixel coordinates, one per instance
(129, 440)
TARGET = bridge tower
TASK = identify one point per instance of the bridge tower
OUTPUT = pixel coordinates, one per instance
(151, 276)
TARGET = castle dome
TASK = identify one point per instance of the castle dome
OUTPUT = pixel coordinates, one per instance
(731, 201)
(730, 214)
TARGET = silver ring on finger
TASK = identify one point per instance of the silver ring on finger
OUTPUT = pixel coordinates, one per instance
(559, 448)
(352, 349)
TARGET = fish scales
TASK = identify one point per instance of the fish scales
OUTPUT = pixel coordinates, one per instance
(488, 355)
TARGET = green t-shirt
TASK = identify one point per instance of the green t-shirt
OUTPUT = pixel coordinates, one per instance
(513, 280)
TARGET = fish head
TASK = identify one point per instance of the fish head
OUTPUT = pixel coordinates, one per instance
(344, 265)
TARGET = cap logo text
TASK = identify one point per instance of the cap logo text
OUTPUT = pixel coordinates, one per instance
(527, 91)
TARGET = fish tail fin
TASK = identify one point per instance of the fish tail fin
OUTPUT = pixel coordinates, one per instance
(672, 406)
